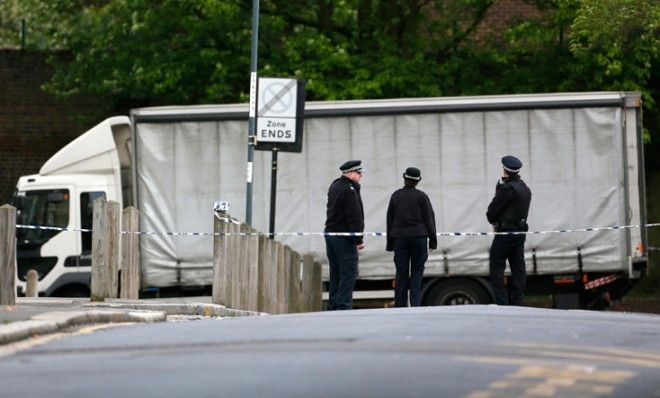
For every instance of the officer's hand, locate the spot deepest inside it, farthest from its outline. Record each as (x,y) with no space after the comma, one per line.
(361,246)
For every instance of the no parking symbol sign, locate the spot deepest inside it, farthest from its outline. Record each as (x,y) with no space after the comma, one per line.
(279,112)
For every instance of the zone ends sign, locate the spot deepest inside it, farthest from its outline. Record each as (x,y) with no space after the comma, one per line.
(280,109)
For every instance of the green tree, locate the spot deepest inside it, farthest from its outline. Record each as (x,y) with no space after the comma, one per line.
(145,52)
(153,52)
(47,24)
(617,43)
(184,51)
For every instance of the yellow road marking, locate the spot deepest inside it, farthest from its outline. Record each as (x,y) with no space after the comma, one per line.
(537,380)
(640,362)
(591,349)
(13,348)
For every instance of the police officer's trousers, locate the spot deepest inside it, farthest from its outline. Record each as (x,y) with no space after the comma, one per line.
(512,248)
(410,254)
(343,258)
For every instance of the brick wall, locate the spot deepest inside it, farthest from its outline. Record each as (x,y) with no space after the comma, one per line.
(503,13)
(33,124)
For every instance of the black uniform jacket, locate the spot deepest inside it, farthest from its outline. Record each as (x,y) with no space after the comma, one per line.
(509,208)
(344,210)
(410,214)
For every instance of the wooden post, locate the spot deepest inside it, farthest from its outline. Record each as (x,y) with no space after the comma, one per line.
(31,289)
(7,255)
(264,278)
(269,282)
(283,270)
(105,249)
(252,271)
(220,227)
(130,258)
(293,285)
(241,292)
(233,258)
(277,259)
(307,283)
(317,287)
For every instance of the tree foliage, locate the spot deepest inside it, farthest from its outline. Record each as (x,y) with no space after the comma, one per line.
(47,24)
(152,52)
(617,43)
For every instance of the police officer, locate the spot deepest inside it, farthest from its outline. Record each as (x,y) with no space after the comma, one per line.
(410,222)
(344,214)
(507,212)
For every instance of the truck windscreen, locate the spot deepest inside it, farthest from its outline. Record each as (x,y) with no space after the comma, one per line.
(44,208)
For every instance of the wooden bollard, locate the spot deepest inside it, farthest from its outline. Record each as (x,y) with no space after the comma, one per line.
(7,255)
(278,280)
(105,250)
(220,227)
(269,277)
(308,283)
(263,270)
(295,288)
(130,258)
(283,279)
(233,262)
(240,271)
(317,287)
(252,271)
(31,288)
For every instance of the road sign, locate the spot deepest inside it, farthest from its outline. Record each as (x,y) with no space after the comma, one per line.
(277,110)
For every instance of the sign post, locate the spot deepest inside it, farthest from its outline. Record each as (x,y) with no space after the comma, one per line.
(253,106)
(280,118)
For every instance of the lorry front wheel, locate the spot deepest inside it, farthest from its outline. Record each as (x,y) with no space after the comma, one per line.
(456,292)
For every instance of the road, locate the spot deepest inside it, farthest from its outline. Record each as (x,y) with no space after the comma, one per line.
(462,351)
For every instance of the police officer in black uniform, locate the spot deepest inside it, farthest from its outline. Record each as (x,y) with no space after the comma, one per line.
(410,223)
(344,214)
(507,212)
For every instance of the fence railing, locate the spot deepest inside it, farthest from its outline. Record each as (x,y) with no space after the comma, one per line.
(250,271)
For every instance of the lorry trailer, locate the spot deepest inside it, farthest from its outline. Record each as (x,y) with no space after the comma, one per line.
(581,152)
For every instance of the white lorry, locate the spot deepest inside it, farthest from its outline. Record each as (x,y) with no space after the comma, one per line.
(582,156)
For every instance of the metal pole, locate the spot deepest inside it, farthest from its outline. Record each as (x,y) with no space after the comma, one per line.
(253,110)
(273,195)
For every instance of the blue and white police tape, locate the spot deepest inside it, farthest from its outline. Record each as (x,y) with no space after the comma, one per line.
(440,234)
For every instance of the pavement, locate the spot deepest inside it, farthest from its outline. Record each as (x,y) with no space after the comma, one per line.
(32,316)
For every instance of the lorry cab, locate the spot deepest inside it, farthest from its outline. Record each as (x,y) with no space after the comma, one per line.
(55,207)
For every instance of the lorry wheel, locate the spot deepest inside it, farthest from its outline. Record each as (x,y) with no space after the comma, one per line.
(456,292)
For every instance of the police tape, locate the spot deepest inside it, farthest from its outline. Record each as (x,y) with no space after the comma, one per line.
(345,234)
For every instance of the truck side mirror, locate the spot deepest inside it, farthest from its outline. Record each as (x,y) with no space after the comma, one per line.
(18,202)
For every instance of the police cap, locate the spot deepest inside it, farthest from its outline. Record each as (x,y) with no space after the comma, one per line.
(511,163)
(412,173)
(351,165)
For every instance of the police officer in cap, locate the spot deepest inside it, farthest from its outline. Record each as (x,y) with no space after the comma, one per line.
(410,223)
(344,214)
(507,212)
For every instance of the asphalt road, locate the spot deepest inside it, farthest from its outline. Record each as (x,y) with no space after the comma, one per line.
(463,351)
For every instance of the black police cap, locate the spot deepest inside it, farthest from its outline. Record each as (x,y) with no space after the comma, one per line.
(511,163)
(351,165)
(412,173)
